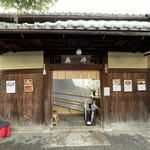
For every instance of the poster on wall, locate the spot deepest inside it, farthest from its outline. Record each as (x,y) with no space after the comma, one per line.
(127,85)
(11,86)
(141,84)
(28,85)
(116,85)
(106,91)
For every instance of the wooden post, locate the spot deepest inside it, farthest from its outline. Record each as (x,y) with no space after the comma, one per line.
(106,101)
(148,94)
(46,92)
(51,98)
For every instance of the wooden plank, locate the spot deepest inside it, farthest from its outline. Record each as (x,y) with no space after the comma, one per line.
(61,74)
(1,99)
(71,95)
(51,97)
(19,71)
(92,74)
(20,108)
(77,74)
(76,67)
(69,74)
(7,100)
(16,100)
(106,100)
(129,107)
(148,94)
(98,74)
(75,59)
(124,70)
(68,100)
(28,103)
(84,74)
(55,74)
(37,98)
(46,92)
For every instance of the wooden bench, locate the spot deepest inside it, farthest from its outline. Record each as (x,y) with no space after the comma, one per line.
(55,118)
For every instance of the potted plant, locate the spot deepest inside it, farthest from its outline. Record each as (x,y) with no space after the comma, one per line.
(93,91)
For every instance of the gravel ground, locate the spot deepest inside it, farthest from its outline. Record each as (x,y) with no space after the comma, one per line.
(119,140)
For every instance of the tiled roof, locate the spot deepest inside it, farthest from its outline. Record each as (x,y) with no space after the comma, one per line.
(80,25)
(79,14)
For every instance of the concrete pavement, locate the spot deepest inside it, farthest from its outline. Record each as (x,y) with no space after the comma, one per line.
(119,140)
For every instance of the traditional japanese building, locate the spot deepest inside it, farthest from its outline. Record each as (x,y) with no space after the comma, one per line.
(38,50)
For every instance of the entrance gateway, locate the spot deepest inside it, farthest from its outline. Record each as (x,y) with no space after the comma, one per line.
(72,89)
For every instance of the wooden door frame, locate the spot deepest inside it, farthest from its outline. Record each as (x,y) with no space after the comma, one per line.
(65,67)
(48,85)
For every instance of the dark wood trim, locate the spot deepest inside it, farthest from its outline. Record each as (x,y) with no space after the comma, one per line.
(76,32)
(76,67)
(127,70)
(105,107)
(148,75)
(72,95)
(18,71)
(57,98)
(46,93)
(67,102)
(56,17)
(51,96)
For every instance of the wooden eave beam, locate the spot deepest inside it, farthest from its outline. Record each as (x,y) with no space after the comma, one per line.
(76,32)
(6,46)
(54,18)
(145,49)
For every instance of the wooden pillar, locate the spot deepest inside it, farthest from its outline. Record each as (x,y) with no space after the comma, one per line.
(51,98)
(46,92)
(106,101)
(148,94)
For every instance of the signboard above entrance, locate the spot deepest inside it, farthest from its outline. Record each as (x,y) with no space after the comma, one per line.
(74,59)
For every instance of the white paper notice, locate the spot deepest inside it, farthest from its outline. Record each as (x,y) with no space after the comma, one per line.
(116,85)
(141,84)
(106,91)
(128,85)
(142,87)
(10,86)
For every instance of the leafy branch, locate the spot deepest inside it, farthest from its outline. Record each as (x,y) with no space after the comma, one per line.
(28,5)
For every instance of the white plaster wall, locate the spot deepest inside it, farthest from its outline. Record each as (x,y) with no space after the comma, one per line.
(21,60)
(127,60)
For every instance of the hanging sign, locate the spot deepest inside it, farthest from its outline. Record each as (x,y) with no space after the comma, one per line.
(116,85)
(74,59)
(127,85)
(11,86)
(28,85)
(141,84)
